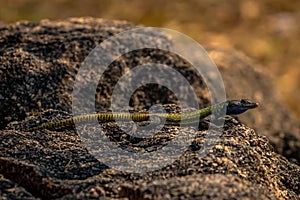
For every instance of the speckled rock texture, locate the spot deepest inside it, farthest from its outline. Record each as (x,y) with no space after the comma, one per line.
(38,64)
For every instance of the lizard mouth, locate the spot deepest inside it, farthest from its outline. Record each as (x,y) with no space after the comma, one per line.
(252,105)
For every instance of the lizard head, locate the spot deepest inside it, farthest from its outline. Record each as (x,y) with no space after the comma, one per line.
(235,107)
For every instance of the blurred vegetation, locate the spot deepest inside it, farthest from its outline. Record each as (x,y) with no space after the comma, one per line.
(267,30)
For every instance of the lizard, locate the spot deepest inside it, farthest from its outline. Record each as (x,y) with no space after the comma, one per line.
(232,107)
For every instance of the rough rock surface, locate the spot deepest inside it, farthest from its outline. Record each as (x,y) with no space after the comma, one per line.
(39,62)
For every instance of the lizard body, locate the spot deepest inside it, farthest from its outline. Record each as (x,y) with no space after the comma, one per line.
(233,107)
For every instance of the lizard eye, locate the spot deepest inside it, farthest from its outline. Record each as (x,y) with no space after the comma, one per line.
(243,101)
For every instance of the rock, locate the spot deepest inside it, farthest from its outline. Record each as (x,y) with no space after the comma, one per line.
(217,186)
(39,62)
(10,190)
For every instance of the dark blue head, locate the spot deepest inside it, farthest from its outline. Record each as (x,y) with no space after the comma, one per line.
(235,107)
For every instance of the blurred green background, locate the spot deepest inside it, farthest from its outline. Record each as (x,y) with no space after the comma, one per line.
(267,31)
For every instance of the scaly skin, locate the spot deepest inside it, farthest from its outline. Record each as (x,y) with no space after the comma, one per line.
(233,107)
